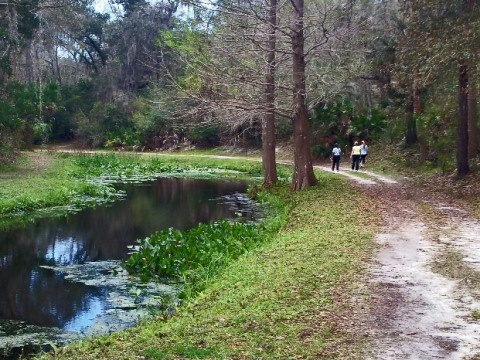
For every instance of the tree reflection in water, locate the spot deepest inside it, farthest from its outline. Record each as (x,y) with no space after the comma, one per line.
(44,298)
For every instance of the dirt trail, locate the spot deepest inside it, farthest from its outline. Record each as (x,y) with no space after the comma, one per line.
(417,313)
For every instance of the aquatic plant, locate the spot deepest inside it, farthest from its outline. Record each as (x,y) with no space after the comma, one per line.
(193,255)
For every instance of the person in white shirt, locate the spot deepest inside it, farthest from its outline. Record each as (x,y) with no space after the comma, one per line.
(336,153)
(363,153)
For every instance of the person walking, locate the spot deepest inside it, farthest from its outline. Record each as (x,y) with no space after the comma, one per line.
(355,156)
(336,154)
(363,153)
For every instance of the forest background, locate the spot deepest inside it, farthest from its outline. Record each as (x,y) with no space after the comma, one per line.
(173,74)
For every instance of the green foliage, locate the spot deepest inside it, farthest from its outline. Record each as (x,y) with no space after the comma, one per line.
(368,125)
(8,117)
(42,132)
(204,135)
(185,39)
(339,122)
(26,115)
(105,125)
(283,129)
(23,99)
(31,106)
(9,143)
(123,168)
(192,255)
(321,151)
(77,102)
(333,117)
(45,182)
(29,20)
(437,131)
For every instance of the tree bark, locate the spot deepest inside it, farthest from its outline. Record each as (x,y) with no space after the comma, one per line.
(417,100)
(413,108)
(472,118)
(411,136)
(29,61)
(268,125)
(462,138)
(303,176)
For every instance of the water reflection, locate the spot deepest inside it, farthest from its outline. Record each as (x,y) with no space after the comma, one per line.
(44,298)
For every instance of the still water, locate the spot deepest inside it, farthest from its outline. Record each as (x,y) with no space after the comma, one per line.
(33,291)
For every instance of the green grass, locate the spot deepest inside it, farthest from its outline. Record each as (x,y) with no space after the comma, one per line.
(284,299)
(40,181)
(154,163)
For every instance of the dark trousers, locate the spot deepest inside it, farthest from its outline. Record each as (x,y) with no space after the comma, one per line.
(362,159)
(335,162)
(355,162)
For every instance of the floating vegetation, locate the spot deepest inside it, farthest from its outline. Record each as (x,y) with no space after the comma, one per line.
(20,339)
(125,292)
(247,209)
(126,302)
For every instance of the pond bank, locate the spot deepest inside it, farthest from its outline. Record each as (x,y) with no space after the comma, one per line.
(49,183)
(288,298)
(51,259)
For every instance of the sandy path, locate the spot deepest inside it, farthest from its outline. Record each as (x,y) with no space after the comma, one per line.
(417,313)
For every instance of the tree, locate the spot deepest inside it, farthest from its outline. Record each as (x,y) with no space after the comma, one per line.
(133,43)
(443,37)
(472,117)
(268,125)
(230,65)
(303,176)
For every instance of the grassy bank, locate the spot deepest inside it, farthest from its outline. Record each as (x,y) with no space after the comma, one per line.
(292,297)
(41,181)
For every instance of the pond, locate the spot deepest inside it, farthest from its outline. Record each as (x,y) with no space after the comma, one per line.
(60,277)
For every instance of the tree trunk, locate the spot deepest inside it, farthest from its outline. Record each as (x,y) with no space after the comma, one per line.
(57,65)
(303,176)
(462,139)
(29,61)
(472,118)
(417,100)
(411,137)
(413,108)
(268,126)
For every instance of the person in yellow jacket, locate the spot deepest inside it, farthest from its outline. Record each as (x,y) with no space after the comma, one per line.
(355,156)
